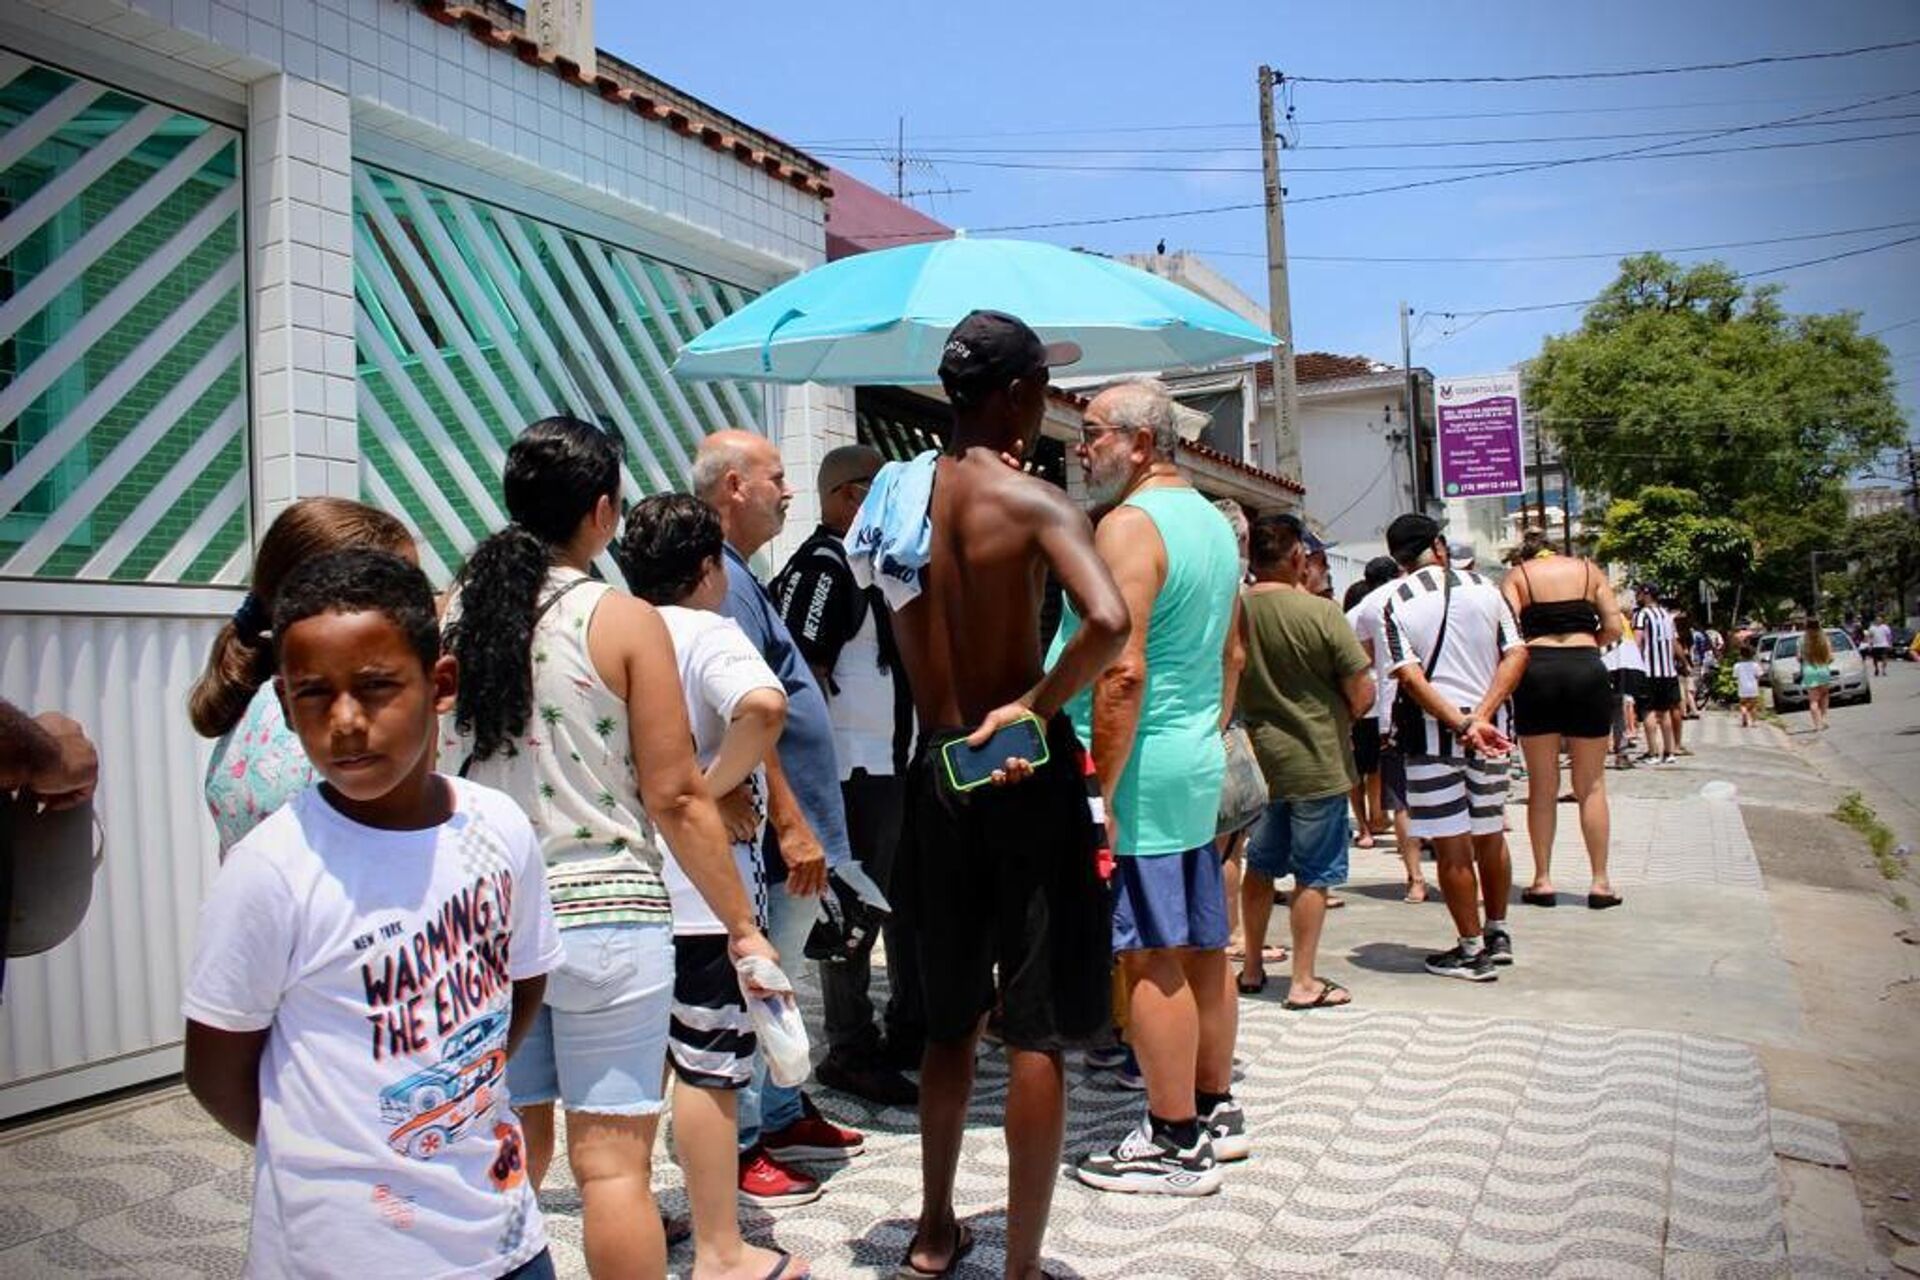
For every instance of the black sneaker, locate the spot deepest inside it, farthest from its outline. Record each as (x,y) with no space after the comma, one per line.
(1226,1125)
(1147,1165)
(868,1079)
(1458,964)
(1499,946)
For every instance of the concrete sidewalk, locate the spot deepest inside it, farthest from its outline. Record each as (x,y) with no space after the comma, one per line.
(1598,1111)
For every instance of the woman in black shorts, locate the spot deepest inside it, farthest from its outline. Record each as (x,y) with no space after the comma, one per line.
(1566,612)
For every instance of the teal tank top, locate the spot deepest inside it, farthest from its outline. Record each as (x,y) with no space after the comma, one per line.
(1168,799)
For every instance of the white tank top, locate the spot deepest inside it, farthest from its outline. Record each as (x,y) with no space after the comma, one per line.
(571,769)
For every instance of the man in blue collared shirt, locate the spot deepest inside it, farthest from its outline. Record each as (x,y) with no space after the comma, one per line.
(741,476)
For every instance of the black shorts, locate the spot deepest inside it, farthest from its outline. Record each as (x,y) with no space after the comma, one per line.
(1662,693)
(1565,690)
(710,1037)
(1003,879)
(1393,780)
(1366,745)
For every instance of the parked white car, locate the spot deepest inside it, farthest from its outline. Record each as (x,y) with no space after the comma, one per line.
(1850,680)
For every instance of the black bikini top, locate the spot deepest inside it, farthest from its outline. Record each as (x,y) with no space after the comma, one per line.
(1578,616)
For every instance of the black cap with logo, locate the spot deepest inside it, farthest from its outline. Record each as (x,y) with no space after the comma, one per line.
(989,349)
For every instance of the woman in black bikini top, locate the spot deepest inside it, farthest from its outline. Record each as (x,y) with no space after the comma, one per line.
(1566,612)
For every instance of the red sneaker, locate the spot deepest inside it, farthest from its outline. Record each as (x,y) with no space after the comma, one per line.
(768,1184)
(813,1137)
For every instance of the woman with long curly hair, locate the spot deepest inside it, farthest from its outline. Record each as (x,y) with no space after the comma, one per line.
(258,764)
(570,702)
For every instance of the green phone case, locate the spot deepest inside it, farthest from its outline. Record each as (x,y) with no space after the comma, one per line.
(946,757)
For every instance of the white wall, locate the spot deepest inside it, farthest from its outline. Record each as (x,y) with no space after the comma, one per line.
(314,83)
(1356,475)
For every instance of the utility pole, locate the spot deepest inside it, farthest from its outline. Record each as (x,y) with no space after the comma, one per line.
(1412,393)
(1913,480)
(1286,392)
(1539,478)
(900,159)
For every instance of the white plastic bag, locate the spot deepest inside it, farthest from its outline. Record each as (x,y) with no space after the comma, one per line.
(776,1020)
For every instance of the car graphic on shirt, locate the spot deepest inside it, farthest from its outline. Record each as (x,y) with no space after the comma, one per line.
(431,1108)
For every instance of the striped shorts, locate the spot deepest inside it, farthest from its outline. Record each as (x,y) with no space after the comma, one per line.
(1455,796)
(710,1039)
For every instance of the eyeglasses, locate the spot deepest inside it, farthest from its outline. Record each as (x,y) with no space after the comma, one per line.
(1091,435)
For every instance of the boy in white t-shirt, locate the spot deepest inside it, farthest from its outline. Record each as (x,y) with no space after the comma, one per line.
(1746,679)
(671,552)
(369,957)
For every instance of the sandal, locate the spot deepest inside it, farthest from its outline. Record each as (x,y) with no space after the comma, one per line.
(1601,901)
(1533,899)
(779,1271)
(962,1246)
(1408,896)
(1251,988)
(1325,1000)
(1364,840)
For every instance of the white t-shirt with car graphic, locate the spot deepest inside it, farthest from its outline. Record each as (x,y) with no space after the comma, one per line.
(382,964)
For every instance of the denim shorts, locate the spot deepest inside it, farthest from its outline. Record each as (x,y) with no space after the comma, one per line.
(1170,900)
(599,1043)
(1305,839)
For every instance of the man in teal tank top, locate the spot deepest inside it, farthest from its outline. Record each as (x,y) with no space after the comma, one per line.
(1152,724)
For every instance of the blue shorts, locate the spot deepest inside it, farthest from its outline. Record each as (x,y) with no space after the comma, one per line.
(1305,839)
(599,1043)
(1169,900)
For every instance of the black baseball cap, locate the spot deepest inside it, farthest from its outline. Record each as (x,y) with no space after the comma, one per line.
(989,349)
(1410,535)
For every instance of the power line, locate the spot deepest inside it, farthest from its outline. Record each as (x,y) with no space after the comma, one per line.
(1743,275)
(1317,121)
(1648,149)
(1889,328)
(1243,206)
(1635,73)
(1492,166)
(947,153)
(1595,255)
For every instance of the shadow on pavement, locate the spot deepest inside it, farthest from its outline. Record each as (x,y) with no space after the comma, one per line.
(1391,957)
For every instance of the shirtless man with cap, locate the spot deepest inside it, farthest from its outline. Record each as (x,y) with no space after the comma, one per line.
(977,870)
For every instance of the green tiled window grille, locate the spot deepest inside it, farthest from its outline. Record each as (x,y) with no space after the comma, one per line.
(473,321)
(123,400)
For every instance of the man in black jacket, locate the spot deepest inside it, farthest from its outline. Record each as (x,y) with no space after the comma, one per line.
(845,635)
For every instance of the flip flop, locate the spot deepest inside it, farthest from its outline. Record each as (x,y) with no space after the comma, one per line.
(1323,1001)
(1601,901)
(962,1246)
(1533,899)
(1408,897)
(1251,988)
(780,1269)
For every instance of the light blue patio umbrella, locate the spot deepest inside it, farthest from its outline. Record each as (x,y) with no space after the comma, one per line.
(882,318)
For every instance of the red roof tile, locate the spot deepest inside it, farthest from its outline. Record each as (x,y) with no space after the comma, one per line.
(1321,366)
(1247,468)
(503,26)
(860,217)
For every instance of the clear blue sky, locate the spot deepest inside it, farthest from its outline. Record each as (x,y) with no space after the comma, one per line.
(834,76)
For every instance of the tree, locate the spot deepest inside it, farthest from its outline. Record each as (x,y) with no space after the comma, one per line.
(1885,549)
(1666,536)
(1680,376)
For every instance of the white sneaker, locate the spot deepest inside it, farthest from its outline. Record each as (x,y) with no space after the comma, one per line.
(1226,1125)
(1147,1165)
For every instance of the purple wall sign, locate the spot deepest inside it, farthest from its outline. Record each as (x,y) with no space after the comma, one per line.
(1477,422)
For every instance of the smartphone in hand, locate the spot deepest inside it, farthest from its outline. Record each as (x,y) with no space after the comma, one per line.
(970,767)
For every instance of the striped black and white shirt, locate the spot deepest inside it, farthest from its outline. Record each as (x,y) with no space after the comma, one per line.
(1654,626)
(1480,629)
